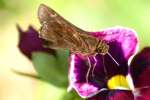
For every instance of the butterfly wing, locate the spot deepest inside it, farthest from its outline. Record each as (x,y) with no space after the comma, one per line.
(62,34)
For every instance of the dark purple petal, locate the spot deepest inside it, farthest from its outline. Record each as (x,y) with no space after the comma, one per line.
(110,65)
(140,68)
(120,95)
(114,95)
(143,94)
(125,36)
(29,42)
(98,80)
(101,96)
(77,77)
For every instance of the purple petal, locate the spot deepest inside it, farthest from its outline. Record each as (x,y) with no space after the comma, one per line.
(125,36)
(77,78)
(104,66)
(120,95)
(140,68)
(98,80)
(110,65)
(143,94)
(101,96)
(114,95)
(29,42)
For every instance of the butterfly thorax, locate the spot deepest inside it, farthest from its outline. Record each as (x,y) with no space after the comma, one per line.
(102,48)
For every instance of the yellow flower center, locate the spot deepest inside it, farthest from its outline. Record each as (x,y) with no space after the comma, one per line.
(118,82)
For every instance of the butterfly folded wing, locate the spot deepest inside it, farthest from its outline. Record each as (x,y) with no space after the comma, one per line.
(62,34)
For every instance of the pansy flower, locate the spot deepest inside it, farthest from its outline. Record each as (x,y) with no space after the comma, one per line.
(30,42)
(111,76)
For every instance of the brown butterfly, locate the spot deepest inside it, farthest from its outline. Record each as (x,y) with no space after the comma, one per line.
(59,33)
(62,34)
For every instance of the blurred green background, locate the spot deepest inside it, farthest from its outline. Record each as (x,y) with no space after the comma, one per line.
(90,15)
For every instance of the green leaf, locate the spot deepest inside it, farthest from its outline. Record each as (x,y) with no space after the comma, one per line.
(52,69)
(71,96)
(62,57)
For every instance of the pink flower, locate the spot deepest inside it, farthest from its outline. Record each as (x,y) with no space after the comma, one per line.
(107,79)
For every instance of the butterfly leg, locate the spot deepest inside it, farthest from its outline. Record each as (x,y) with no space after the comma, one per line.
(89,69)
(94,66)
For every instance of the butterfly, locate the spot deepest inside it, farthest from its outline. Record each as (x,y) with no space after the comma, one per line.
(62,34)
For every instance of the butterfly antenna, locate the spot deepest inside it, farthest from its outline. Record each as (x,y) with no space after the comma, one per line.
(113,58)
